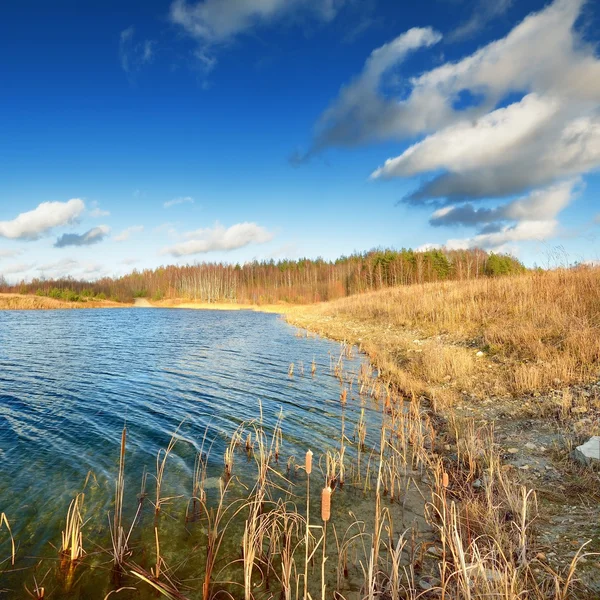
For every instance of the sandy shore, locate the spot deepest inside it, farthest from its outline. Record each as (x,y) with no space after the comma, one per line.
(268,308)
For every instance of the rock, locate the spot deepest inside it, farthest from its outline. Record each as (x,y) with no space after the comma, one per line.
(435,551)
(477,483)
(480,353)
(512,450)
(588,452)
(530,446)
(428,583)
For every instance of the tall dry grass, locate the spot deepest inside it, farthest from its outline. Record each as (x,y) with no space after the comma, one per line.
(532,332)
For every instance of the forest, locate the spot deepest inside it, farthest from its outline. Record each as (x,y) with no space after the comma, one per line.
(302,281)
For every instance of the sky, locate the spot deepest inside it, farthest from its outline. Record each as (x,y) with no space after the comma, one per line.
(144,133)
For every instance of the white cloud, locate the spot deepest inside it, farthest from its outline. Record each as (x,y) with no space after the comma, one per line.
(176,201)
(127,233)
(220,238)
(472,144)
(533,217)
(526,230)
(93,236)
(360,112)
(96,212)
(134,55)
(521,115)
(522,62)
(539,205)
(530,143)
(34,224)
(214,21)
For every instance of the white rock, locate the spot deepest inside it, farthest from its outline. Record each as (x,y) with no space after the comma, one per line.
(530,446)
(589,451)
(480,353)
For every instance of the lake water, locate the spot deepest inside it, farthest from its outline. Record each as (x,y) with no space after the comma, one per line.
(70,380)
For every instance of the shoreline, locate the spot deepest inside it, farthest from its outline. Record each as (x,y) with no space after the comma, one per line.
(224,306)
(31,302)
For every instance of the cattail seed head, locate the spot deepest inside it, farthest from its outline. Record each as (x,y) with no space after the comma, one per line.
(326,504)
(343,396)
(445,480)
(308,462)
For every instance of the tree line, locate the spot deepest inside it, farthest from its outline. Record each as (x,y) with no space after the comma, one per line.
(294,281)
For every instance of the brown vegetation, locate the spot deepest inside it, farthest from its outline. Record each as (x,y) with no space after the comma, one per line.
(302,281)
(520,335)
(28,302)
(525,342)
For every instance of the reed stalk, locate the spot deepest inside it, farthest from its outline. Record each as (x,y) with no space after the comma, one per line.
(308,468)
(72,536)
(4,522)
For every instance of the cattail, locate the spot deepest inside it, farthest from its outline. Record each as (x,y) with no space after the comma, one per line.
(308,462)
(326,504)
(313,367)
(445,480)
(343,396)
(291,370)
(249,443)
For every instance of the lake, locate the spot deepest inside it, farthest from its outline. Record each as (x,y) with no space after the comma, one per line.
(70,381)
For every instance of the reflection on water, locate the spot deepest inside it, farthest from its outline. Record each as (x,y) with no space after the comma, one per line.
(70,380)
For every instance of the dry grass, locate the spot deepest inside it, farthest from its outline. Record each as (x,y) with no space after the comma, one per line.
(518,335)
(28,302)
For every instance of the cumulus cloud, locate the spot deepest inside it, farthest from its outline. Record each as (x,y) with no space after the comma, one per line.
(214,21)
(34,224)
(497,240)
(361,112)
(522,62)
(528,144)
(518,118)
(176,201)
(134,55)
(539,205)
(93,236)
(220,238)
(532,217)
(127,233)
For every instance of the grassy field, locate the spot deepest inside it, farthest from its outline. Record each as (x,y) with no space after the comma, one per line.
(538,331)
(30,302)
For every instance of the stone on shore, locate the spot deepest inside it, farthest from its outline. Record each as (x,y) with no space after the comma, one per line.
(588,452)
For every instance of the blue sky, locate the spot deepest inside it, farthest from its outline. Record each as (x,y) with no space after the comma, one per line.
(145,133)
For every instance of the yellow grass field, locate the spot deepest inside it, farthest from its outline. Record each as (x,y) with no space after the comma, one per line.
(29,302)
